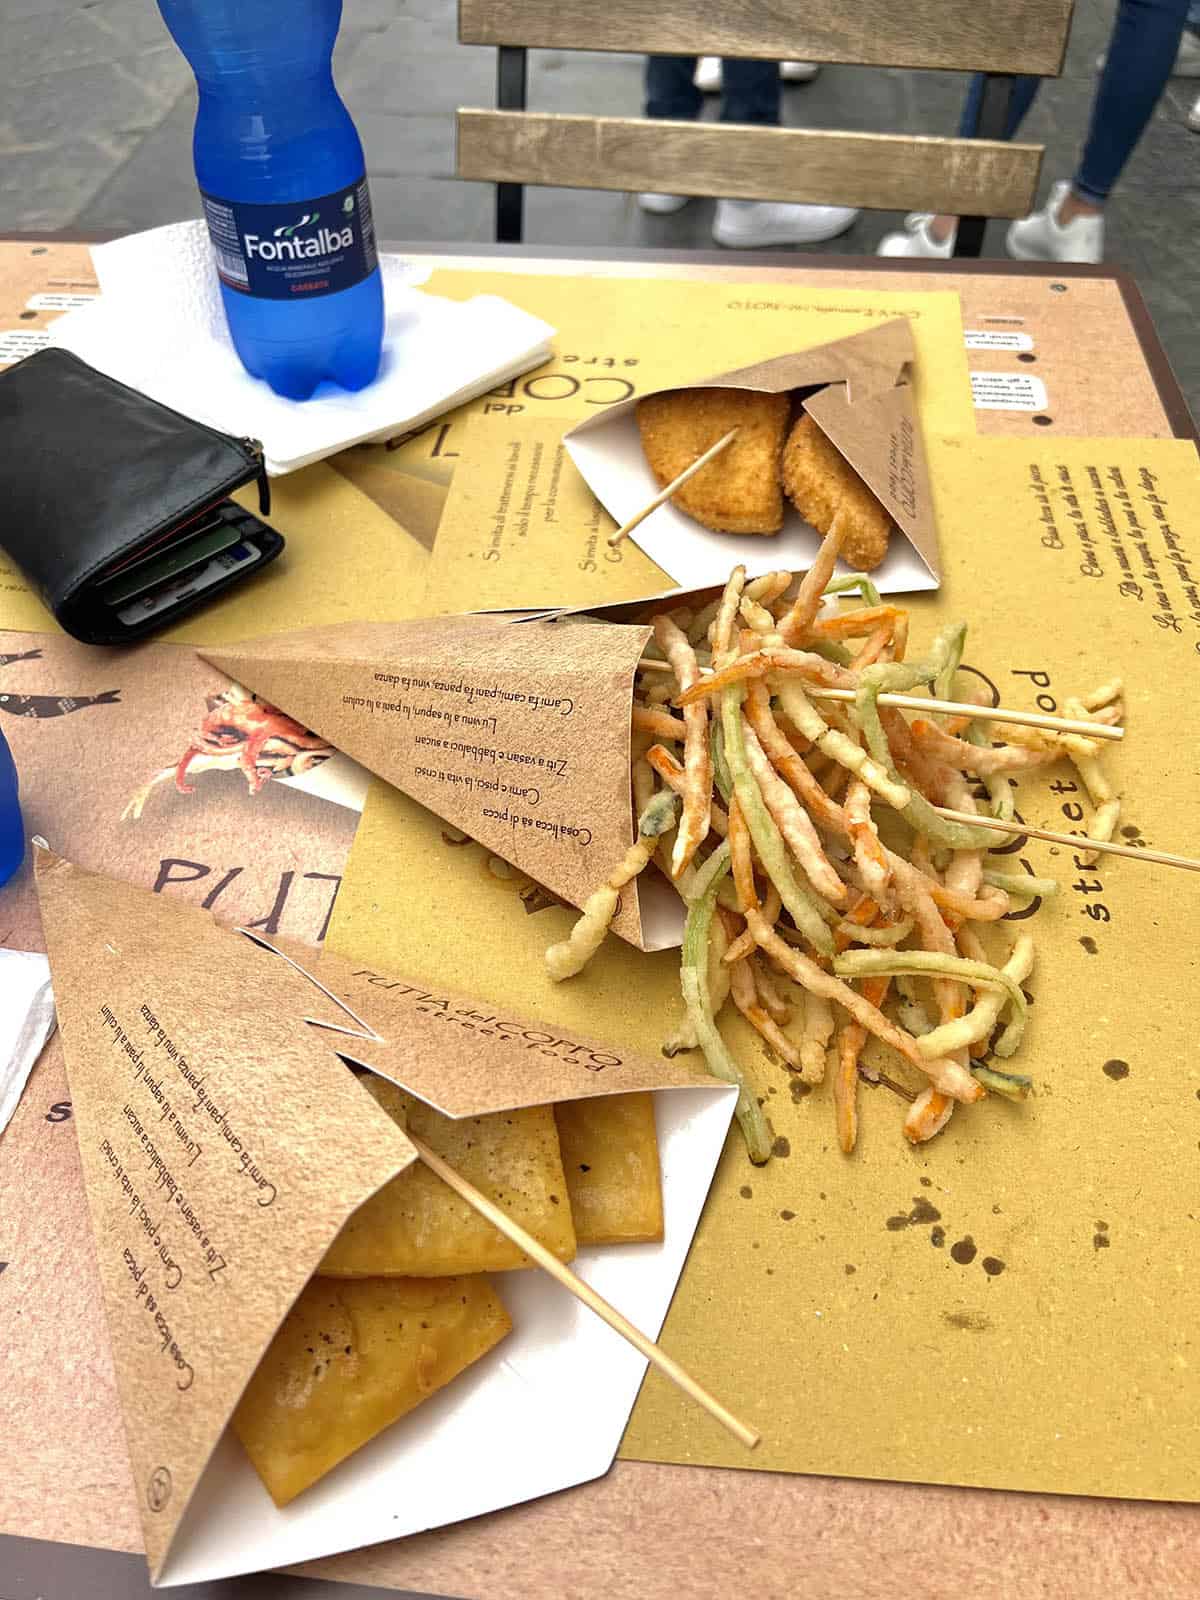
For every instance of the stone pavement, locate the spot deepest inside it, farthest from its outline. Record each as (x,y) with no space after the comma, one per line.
(96,109)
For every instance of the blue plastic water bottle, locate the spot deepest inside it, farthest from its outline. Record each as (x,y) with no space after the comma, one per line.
(12,835)
(283,184)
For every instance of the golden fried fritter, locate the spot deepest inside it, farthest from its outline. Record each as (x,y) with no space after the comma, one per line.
(822,485)
(738,492)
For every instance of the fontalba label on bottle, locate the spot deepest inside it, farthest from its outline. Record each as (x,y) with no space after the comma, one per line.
(294,250)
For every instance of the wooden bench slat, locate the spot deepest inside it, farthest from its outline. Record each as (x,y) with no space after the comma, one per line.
(875,170)
(966,35)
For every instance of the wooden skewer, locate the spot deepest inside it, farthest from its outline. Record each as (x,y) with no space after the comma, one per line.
(966,708)
(1074,841)
(676,483)
(585,1293)
(961,708)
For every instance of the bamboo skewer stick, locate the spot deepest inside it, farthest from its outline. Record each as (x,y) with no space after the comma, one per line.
(584,1293)
(960,708)
(966,708)
(676,483)
(1074,841)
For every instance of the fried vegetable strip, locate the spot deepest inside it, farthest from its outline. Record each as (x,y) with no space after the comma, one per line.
(796,622)
(570,957)
(814,1040)
(660,760)
(697,999)
(776,1006)
(854,624)
(766,836)
(697,763)
(800,710)
(845,1080)
(983,759)
(659,723)
(722,628)
(1100,792)
(978,1023)
(864,963)
(745,998)
(793,822)
(949,1076)
(744,945)
(756,664)
(856,580)
(869,854)
(928,1114)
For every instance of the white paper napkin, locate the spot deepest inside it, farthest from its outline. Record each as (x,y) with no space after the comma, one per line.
(26,1022)
(159,326)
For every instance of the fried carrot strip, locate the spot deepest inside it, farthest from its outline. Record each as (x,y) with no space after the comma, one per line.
(855,624)
(845,1080)
(669,770)
(869,854)
(788,763)
(697,761)
(755,664)
(873,648)
(744,944)
(928,1114)
(982,759)
(660,723)
(741,859)
(797,622)
(745,998)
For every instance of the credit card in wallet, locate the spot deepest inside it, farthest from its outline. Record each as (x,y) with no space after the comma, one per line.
(180,558)
(191,583)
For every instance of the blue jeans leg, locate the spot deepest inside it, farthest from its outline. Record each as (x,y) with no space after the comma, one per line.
(1024,90)
(1141,54)
(670,91)
(1140,57)
(750,92)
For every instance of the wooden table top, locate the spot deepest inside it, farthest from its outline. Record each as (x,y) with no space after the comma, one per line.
(651,1531)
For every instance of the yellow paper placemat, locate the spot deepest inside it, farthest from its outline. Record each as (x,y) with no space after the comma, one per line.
(520,527)
(1012,1304)
(346,560)
(618,337)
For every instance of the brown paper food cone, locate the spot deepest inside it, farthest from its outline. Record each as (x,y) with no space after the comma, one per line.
(860,397)
(517,733)
(466,1058)
(222,1144)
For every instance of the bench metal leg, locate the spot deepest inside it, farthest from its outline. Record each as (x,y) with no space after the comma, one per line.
(511,85)
(990,124)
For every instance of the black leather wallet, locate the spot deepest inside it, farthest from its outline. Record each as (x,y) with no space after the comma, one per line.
(99,483)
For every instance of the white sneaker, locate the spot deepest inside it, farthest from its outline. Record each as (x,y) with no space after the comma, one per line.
(917,240)
(1193,117)
(662,205)
(1187,62)
(1041,237)
(751,224)
(707,76)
